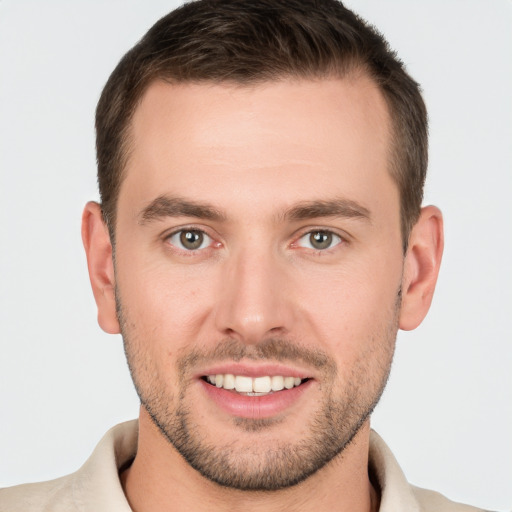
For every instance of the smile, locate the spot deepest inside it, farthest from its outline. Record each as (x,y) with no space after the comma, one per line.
(253,386)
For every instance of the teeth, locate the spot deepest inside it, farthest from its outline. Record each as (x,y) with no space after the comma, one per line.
(257,386)
(229,381)
(277,383)
(289,382)
(242,384)
(262,384)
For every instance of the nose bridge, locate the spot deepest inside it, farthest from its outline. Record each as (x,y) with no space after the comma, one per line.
(253,302)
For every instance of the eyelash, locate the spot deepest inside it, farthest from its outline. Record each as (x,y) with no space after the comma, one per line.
(179,232)
(336,239)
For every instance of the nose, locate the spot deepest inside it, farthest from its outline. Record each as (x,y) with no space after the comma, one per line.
(255,301)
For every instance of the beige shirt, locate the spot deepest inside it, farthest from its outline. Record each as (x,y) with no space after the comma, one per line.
(95,487)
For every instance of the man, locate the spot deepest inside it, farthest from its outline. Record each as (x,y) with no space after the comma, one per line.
(260,240)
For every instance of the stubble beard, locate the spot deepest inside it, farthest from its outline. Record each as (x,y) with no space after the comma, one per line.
(275,464)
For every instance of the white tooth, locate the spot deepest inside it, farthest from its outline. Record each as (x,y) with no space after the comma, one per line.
(297,381)
(262,384)
(219,379)
(229,381)
(211,379)
(243,384)
(289,382)
(277,383)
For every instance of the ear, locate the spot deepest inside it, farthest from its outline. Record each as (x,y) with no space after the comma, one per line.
(98,250)
(421,268)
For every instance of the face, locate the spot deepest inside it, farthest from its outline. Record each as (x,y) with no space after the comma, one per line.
(258,267)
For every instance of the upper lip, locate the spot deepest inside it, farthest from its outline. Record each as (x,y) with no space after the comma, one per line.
(254,370)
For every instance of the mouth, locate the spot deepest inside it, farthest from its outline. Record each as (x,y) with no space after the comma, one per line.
(256,394)
(254,386)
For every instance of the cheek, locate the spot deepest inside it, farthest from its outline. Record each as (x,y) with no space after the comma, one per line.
(349,307)
(165,302)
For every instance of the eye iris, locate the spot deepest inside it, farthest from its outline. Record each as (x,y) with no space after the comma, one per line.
(320,239)
(191,239)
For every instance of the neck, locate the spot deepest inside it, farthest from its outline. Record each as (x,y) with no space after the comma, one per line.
(160,480)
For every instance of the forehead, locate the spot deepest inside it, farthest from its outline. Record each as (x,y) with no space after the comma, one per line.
(298,136)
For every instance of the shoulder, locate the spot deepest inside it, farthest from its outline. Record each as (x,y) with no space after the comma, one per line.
(53,495)
(94,487)
(431,501)
(397,494)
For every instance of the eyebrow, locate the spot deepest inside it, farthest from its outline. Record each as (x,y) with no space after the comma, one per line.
(338,207)
(165,206)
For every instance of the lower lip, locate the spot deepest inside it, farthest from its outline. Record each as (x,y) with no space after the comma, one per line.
(255,407)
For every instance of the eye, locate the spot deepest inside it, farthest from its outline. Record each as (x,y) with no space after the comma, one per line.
(190,239)
(319,240)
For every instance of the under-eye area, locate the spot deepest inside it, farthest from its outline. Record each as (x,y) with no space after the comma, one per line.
(253,386)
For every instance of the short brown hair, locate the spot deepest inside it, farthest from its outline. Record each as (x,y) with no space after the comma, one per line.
(247,42)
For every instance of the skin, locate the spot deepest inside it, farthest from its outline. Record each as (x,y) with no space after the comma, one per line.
(254,155)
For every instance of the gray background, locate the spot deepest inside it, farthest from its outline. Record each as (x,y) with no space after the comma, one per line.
(63,382)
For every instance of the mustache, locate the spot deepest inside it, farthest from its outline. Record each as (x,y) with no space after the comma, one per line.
(271,349)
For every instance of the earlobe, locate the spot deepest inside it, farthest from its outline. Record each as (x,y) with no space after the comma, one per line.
(421,268)
(98,249)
